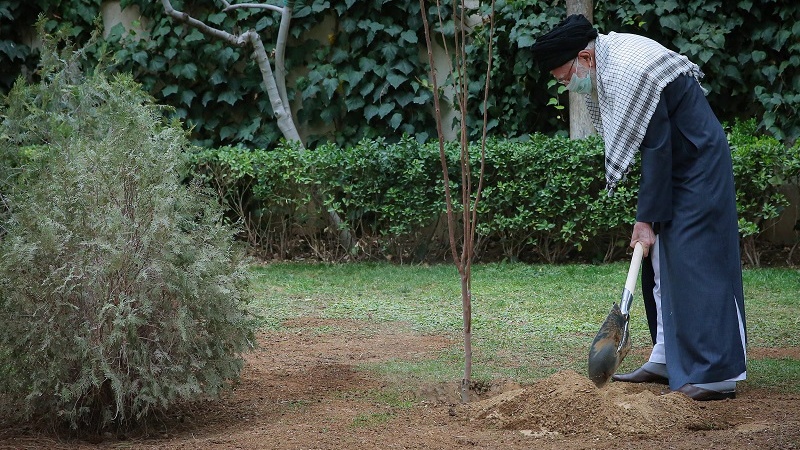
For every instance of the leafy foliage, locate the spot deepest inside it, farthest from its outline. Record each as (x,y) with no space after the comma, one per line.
(749,51)
(71,19)
(267,193)
(121,291)
(543,199)
(369,81)
(544,196)
(761,165)
(356,69)
(390,195)
(385,192)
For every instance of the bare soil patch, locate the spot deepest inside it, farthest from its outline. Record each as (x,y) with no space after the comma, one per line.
(303,389)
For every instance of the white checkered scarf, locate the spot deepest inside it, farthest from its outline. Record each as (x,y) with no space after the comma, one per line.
(632,71)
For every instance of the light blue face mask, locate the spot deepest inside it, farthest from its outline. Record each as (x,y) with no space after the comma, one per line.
(580,85)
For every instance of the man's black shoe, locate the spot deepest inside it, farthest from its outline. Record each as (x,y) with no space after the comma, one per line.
(700,394)
(640,376)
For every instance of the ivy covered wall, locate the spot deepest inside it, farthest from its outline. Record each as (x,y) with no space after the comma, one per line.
(357,68)
(748,50)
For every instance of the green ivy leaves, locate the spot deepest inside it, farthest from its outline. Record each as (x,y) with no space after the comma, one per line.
(356,68)
(365,79)
(749,52)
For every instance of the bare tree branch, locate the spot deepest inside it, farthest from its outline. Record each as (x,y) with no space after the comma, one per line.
(238,41)
(280,46)
(277,93)
(280,51)
(229,7)
(274,83)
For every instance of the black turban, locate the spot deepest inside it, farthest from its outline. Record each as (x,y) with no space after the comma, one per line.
(563,42)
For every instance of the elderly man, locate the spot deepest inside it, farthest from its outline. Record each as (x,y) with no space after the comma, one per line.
(645,99)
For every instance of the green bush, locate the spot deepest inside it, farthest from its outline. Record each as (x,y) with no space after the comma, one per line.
(761,166)
(546,196)
(121,290)
(387,193)
(543,198)
(267,192)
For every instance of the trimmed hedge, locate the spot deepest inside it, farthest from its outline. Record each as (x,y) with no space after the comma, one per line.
(761,166)
(546,197)
(543,200)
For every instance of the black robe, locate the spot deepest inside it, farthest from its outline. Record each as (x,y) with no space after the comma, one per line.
(687,191)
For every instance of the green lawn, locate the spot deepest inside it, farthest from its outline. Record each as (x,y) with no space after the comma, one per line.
(528,320)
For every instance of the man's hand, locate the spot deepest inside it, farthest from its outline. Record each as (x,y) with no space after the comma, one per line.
(643,232)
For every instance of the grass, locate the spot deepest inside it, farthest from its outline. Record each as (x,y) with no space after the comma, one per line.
(528,320)
(782,374)
(369,420)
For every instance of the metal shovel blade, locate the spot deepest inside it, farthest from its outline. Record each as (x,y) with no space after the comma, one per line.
(613,341)
(609,347)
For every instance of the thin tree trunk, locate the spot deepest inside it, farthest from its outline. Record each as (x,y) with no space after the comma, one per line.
(463,261)
(466,308)
(279,105)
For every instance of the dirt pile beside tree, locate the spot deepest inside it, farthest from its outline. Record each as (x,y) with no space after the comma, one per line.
(568,403)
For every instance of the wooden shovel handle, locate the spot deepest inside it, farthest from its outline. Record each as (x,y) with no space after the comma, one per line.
(636,263)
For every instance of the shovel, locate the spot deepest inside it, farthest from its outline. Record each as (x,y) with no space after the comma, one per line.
(613,341)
